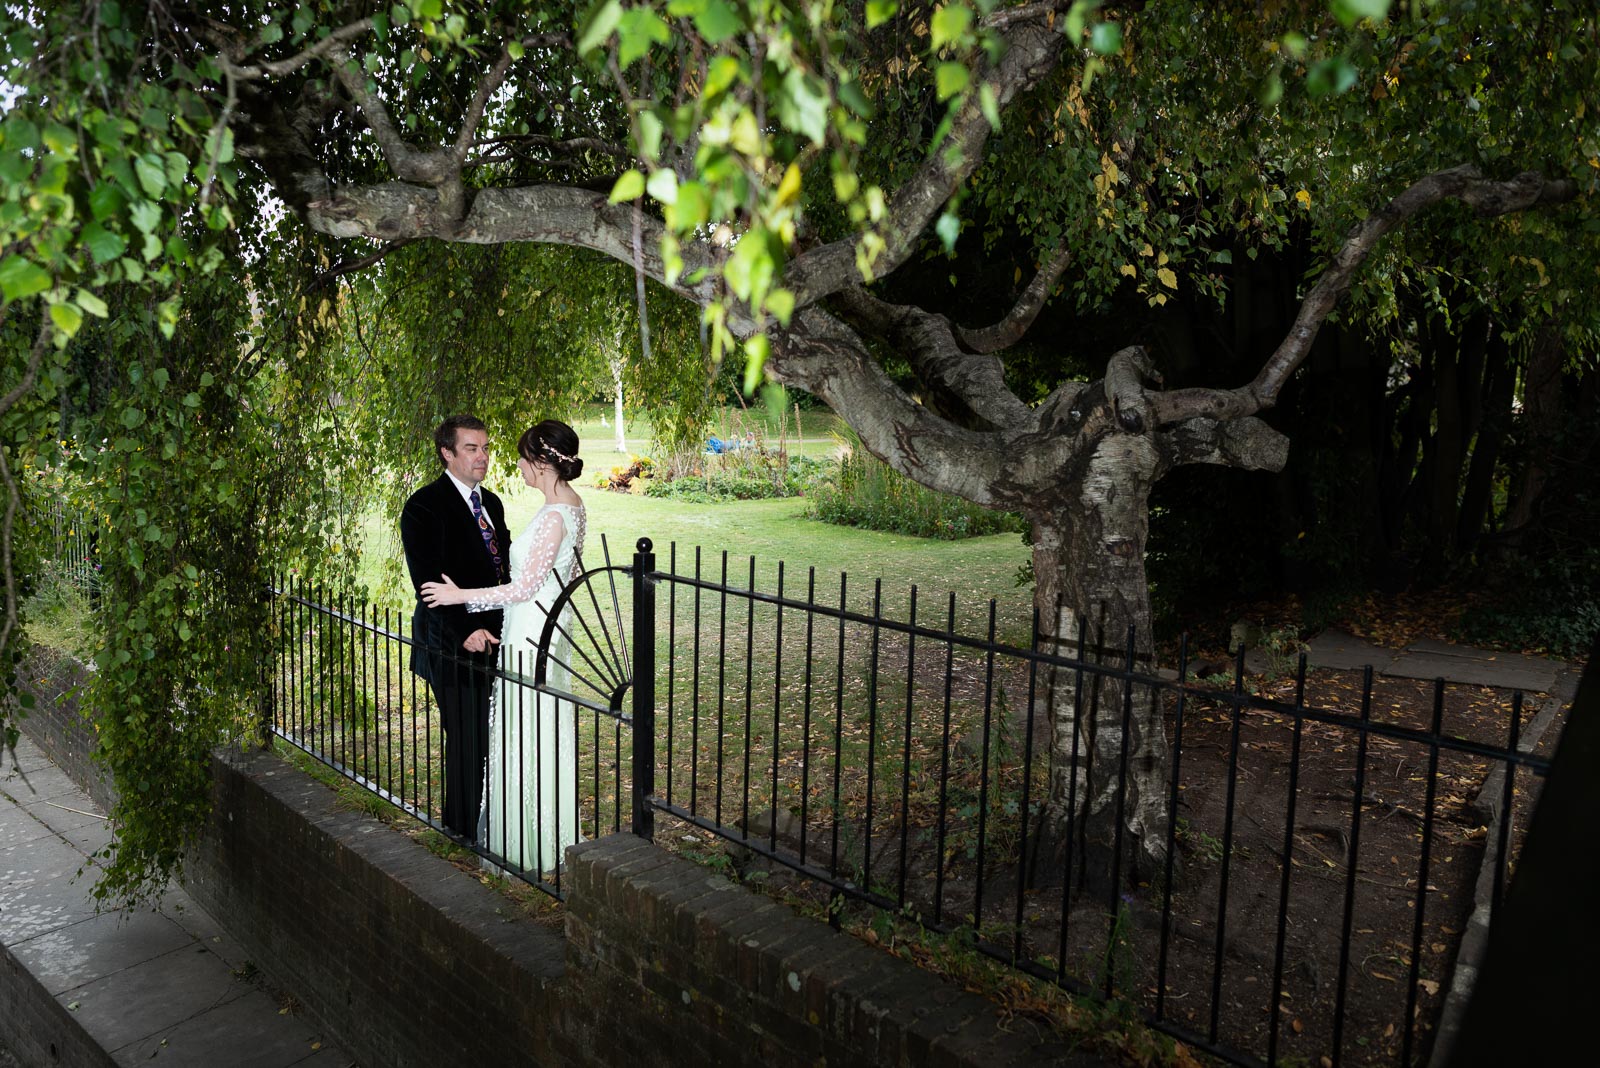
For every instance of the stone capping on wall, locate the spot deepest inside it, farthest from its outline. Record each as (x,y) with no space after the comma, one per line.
(408,961)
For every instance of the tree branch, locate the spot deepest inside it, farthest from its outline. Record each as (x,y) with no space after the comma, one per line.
(1009,331)
(436,168)
(1126,373)
(552,214)
(1247,443)
(30,375)
(344,267)
(824,356)
(572,146)
(335,41)
(1464,183)
(1032,52)
(928,342)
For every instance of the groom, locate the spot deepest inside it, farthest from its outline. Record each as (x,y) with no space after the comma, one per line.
(452,527)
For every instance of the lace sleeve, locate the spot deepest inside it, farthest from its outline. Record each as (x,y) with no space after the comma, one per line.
(522,587)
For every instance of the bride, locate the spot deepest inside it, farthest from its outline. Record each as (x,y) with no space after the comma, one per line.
(530,806)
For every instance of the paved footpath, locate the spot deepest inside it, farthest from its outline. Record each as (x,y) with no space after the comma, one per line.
(1430,659)
(164,986)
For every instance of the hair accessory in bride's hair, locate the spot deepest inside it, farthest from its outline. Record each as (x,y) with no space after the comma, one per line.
(553,451)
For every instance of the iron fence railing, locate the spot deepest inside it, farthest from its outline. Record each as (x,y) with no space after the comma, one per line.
(1274,867)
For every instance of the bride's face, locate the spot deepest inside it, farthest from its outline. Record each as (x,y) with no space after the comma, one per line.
(527,469)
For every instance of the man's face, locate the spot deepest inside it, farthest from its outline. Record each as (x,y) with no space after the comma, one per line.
(470,460)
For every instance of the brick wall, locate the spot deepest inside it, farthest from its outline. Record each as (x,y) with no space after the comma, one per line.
(56,681)
(408,961)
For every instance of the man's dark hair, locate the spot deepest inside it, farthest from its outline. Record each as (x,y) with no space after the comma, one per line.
(445,436)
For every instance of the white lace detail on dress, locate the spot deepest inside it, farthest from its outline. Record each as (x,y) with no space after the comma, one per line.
(526,582)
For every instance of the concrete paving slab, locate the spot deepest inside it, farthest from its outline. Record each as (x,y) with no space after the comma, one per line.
(326,1057)
(89,836)
(40,889)
(17,826)
(25,759)
(91,949)
(1507,676)
(249,1032)
(43,784)
(1343,651)
(180,908)
(152,996)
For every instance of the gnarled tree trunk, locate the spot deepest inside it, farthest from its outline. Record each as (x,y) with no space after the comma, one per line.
(1106,817)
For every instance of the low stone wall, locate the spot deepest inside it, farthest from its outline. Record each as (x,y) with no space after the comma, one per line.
(407,961)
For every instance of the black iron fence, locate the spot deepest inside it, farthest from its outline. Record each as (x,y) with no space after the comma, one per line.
(1273,866)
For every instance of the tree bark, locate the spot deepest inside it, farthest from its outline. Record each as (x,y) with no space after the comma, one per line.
(1106,818)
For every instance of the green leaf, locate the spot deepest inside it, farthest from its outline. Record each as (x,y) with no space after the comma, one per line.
(132,417)
(692,208)
(103,245)
(716,21)
(989,104)
(91,304)
(722,73)
(948,228)
(22,278)
(629,185)
(880,11)
(1077,18)
(152,173)
(597,27)
(780,302)
(1330,77)
(951,78)
(803,105)
(1350,12)
(67,318)
(663,185)
(756,351)
(637,31)
(1106,38)
(650,130)
(105,200)
(146,216)
(950,23)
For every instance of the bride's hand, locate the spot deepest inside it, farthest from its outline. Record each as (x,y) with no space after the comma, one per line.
(439,594)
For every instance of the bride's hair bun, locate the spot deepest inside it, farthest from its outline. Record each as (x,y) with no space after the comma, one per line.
(555,443)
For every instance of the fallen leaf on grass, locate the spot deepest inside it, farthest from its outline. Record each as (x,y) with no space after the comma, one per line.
(1429,986)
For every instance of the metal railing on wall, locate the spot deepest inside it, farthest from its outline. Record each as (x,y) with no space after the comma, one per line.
(342,690)
(1282,866)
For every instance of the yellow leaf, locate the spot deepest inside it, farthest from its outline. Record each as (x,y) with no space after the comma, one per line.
(1017,277)
(1168,278)
(1147,250)
(1161,259)
(789,188)
(1304,197)
(1127,269)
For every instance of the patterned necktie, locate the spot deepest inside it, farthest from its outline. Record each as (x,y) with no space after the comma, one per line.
(486,530)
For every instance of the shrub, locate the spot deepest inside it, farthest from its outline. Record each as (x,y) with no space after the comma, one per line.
(715,488)
(864,492)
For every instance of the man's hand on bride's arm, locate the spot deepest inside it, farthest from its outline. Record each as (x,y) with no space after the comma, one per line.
(479,641)
(439,594)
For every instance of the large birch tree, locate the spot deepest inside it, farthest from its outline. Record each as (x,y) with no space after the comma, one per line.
(779,166)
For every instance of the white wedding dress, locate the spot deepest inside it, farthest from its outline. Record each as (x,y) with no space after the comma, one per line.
(530,801)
